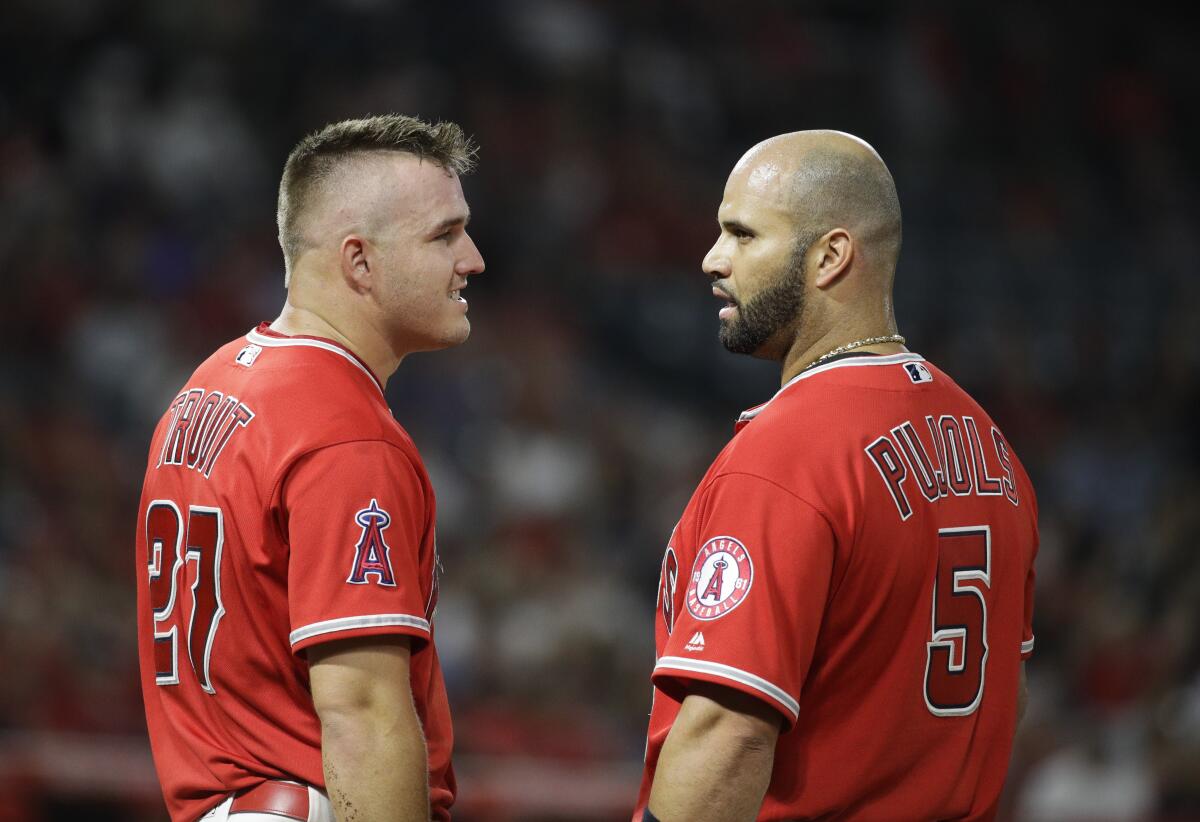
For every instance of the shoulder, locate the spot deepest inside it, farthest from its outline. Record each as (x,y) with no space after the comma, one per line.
(777,457)
(308,394)
(322,400)
(353,457)
(814,429)
(781,441)
(734,488)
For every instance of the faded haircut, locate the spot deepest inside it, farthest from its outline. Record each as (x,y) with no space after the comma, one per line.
(317,157)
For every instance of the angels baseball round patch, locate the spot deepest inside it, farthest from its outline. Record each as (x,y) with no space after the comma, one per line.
(721,578)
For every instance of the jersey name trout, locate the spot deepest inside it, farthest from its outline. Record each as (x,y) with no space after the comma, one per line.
(202,423)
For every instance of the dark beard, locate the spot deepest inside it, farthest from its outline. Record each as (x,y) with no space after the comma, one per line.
(771,311)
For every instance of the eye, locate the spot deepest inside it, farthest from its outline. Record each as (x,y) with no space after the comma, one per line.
(743,236)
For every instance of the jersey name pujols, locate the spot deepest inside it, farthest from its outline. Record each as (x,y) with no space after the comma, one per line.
(202,423)
(960,463)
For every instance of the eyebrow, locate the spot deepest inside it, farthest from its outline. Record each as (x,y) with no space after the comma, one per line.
(451,222)
(735,226)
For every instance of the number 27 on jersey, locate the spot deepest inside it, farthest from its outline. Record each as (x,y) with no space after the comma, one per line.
(191,556)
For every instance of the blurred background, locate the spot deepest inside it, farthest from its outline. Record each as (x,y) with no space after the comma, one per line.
(1050,197)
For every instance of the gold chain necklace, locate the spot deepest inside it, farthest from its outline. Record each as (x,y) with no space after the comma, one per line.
(842,349)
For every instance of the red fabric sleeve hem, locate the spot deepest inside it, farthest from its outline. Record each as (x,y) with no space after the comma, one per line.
(681,668)
(355,626)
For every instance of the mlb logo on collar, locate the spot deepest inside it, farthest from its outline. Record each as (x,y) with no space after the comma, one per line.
(917,372)
(248,355)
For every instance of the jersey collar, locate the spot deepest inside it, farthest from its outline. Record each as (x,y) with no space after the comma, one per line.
(850,361)
(268,337)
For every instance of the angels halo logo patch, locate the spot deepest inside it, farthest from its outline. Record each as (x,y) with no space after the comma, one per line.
(371,551)
(721,578)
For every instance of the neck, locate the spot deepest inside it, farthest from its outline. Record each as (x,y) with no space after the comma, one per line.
(804,353)
(296,320)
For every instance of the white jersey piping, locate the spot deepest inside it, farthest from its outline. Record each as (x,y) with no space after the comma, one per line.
(851,362)
(277,342)
(331,626)
(702,666)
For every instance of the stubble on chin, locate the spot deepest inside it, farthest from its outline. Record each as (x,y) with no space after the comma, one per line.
(776,309)
(761,320)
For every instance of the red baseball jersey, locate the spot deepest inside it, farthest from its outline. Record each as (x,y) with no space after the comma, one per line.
(283,507)
(859,557)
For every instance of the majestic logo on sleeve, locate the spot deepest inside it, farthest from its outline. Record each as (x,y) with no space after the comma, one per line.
(721,578)
(371,552)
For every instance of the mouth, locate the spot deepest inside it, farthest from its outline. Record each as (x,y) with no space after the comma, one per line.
(731,305)
(456,296)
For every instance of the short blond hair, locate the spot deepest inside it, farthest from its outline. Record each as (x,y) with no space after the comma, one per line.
(318,156)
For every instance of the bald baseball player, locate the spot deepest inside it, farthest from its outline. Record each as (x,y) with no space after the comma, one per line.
(845,605)
(287,565)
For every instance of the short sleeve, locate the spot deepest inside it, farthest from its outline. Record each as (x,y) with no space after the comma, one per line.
(1028,494)
(1027,631)
(752,601)
(355,517)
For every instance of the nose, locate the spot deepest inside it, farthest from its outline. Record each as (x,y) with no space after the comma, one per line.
(716,261)
(472,261)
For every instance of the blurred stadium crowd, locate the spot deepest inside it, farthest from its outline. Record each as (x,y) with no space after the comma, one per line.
(1050,203)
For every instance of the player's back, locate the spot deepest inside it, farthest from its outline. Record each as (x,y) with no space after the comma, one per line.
(245,465)
(909,704)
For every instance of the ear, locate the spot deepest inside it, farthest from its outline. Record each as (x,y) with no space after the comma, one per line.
(835,252)
(356,269)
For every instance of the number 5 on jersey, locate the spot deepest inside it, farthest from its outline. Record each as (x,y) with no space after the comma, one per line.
(198,558)
(957,651)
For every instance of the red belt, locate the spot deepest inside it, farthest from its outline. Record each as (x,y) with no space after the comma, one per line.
(288,800)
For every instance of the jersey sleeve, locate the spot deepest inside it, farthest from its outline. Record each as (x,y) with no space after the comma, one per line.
(750,607)
(1030,498)
(356,516)
(1027,631)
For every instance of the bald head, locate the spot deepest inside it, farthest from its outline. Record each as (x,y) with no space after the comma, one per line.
(827,179)
(810,235)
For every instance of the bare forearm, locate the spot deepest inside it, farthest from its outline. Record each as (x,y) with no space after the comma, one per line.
(376,770)
(715,765)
